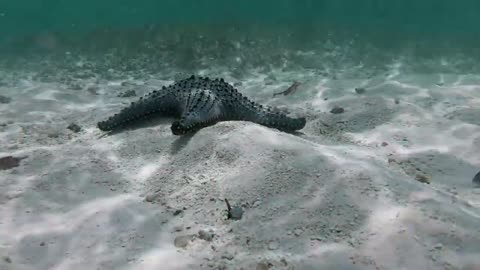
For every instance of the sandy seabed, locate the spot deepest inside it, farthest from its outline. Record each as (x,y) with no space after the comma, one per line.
(387,184)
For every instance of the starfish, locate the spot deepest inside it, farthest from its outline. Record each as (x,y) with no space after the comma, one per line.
(198,102)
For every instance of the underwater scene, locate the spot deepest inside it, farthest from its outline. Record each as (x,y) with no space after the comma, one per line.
(221,134)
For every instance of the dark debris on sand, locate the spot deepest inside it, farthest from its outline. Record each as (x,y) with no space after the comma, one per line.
(337,110)
(9,162)
(74,127)
(4,99)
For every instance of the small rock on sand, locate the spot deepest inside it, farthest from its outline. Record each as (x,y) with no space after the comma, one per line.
(360,90)
(422,178)
(4,99)
(205,235)
(9,162)
(337,110)
(74,127)
(182,241)
(273,245)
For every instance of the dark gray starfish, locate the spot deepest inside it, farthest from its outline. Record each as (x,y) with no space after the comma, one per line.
(199,102)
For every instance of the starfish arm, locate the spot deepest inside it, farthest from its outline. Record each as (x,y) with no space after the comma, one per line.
(158,103)
(265,117)
(239,107)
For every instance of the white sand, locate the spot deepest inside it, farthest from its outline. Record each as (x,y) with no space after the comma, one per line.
(333,198)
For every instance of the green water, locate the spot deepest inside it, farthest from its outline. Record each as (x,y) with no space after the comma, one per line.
(431,28)
(404,16)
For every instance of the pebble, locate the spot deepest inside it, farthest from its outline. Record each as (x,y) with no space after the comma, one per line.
(53,133)
(9,162)
(273,245)
(206,235)
(150,197)
(7,259)
(182,240)
(262,266)
(4,99)
(177,212)
(298,232)
(236,213)
(178,228)
(384,144)
(422,179)
(438,246)
(337,110)
(360,90)
(317,238)
(257,204)
(74,127)
(227,255)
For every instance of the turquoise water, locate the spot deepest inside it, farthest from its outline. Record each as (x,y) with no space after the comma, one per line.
(439,17)
(428,16)
(423,30)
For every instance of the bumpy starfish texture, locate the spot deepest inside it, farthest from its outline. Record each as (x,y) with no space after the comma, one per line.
(198,102)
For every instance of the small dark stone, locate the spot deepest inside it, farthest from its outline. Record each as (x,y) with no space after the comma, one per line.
(262,266)
(360,90)
(4,99)
(422,179)
(476,179)
(397,101)
(150,197)
(227,255)
(384,144)
(53,134)
(74,127)
(9,162)
(42,244)
(177,212)
(236,213)
(205,235)
(129,93)
(337,110)
(183,240)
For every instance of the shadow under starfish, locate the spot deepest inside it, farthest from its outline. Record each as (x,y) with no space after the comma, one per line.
(198,102)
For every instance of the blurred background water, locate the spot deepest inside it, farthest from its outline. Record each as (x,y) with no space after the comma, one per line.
(429,35)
